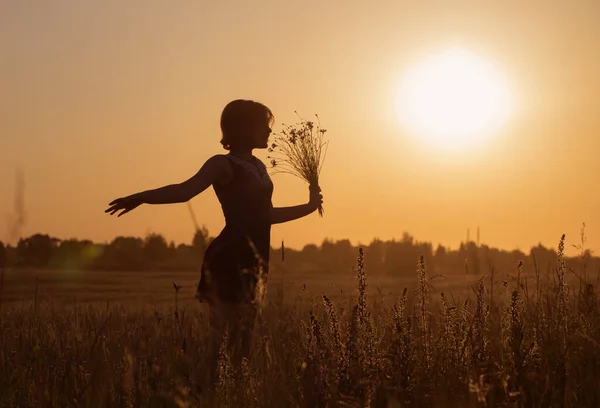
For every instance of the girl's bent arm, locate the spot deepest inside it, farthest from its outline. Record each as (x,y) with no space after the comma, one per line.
(215,170)
(284,214)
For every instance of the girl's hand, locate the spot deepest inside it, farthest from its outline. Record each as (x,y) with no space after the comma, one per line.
(125,204)
(315,198)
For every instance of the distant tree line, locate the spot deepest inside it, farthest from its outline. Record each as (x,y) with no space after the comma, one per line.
(124,253)
(392,257)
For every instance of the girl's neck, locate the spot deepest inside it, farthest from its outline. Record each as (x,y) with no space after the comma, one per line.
(243,154)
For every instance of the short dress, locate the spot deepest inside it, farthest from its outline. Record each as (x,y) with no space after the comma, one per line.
(236,259)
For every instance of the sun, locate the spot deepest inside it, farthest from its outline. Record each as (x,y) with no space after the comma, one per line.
(454,99)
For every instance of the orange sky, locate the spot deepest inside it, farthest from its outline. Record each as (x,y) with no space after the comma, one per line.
(99,99)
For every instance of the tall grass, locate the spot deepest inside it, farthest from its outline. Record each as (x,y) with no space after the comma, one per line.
(533,345)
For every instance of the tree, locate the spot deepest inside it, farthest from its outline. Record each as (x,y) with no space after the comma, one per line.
(184,258)
(327,255)
(74,254)
(375,256)
(3,256)
(544,257)
(345,256)
(36,250)
(124,253)
(310,252)
(200,242)
(472,258)
(156,249)
(440,253)
(337,256)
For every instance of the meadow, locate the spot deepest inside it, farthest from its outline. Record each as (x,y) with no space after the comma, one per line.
(112,339)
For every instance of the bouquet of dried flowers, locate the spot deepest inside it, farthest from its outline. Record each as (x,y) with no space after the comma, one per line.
(300,150)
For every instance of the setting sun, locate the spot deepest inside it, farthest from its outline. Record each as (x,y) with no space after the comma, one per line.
(454,99)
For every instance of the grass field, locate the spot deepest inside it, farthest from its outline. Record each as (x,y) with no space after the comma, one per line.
(118,339)
(68,287)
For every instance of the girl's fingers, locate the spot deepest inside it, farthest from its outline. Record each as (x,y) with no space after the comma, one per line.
(113,202)
(114,209)
(111,208)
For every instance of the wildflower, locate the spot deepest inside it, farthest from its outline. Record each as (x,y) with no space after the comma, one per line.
(301,151)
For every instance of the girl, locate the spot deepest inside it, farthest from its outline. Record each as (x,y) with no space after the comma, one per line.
(236,262)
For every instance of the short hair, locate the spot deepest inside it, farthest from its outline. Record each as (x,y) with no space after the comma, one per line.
(239,118)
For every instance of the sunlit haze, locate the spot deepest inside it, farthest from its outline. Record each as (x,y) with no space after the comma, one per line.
(454,99)
(440,118)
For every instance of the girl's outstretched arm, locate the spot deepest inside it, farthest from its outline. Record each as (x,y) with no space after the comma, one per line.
(284,214)
(216,170)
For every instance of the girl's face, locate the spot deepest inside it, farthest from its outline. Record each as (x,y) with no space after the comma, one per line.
(261,136)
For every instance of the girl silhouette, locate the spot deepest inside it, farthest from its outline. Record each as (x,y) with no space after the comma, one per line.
(237,260)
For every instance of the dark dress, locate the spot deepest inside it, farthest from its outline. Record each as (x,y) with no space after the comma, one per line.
(238,258)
